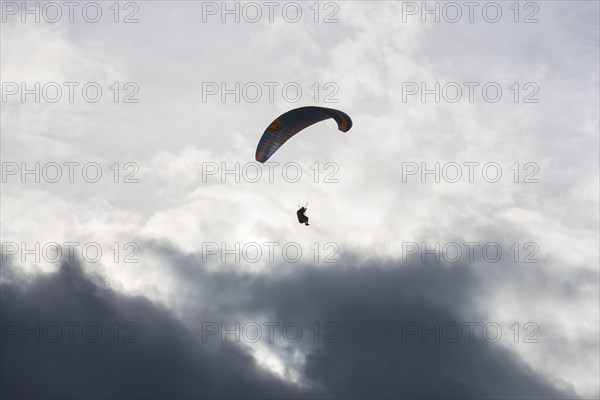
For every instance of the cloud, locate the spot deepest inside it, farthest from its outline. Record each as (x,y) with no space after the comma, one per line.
(369,308)
(369,213)
(167,360)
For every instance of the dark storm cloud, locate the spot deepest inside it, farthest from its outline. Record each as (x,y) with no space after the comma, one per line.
(373,358)
(370,306)
(166,362)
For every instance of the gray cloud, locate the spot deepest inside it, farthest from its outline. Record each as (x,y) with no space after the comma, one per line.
(370,359)
(166,362)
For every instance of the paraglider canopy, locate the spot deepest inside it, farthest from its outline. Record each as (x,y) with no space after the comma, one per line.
(292,122)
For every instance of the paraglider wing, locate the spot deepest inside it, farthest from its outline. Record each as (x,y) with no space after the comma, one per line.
(292,122)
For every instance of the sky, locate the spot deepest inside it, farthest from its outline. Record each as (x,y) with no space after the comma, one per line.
(452,250)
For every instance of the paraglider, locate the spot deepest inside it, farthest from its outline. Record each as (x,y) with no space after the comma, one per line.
(303,219)
(292,122)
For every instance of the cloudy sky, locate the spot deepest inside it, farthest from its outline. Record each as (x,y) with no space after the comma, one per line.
(452,250)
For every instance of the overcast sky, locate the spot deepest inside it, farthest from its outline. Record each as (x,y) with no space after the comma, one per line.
(452,250)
